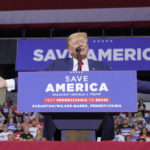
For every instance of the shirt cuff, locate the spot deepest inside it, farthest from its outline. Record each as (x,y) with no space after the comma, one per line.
(10,84)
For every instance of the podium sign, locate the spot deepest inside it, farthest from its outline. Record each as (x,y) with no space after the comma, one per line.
(92,91)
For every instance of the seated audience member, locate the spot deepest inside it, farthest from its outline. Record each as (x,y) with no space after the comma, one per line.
(118,121)
(147,126)
(11,125)
(118,136)
(11,137)
(128,138)
(4,134)
(26,123)
(134,137)
(144,134)
(26,136)
(39,122)
(2,117)
(18,131)
(141,140)
(137,130)
(33,129)
(39,136)
(1,126)
(30,115)
(19,115)
(125,128)
(139,120)
(19,128)
(12,114)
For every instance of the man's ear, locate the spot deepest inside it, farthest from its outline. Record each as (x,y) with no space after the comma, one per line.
(70,51)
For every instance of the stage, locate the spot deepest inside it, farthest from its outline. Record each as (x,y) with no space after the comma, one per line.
(46,145)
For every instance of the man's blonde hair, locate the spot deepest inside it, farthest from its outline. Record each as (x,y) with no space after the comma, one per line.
(83,34)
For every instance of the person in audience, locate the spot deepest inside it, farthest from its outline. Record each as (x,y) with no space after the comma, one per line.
(19,115)
(137,130)
(139,120)
(19,128)
(11,125)
(2,117)
(39,122)
(12,114)
(11,137)
(141,140)
(134,137)
(144,134)
(26,123)
(147,126)
(141,107)
(125,128)
(118,136)
(118,121)
(4,134)
(5,109)
(147,117)
(30,115)
(39,136)
(33,129)
(128,138)
(1,126)
(26,136)
(18,131)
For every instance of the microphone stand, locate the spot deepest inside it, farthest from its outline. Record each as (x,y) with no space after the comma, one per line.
(78,50)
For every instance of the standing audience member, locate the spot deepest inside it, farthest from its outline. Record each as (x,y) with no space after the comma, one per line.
(5,109)
(141,107)
(11,125)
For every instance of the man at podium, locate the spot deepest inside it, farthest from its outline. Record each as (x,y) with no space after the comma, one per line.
(77,45)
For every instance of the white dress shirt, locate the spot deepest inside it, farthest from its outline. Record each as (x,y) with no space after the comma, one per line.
(85,66)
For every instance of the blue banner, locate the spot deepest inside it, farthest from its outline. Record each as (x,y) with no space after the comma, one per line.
(98,91)
(119,53)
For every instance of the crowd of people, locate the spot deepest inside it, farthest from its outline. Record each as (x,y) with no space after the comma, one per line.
(133,126)
(20,126)
(28,126)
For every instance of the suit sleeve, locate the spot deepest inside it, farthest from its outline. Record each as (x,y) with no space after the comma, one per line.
(143,86)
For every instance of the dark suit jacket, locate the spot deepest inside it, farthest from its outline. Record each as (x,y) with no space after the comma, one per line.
(67,65)
(107,128)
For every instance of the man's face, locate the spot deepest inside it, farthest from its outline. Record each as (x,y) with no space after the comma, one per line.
(78,41)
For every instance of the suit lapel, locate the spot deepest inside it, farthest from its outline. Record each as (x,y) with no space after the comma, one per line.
(69,67)
(91,65)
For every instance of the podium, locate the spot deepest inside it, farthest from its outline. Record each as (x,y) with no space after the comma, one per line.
(77,101)
(78,127)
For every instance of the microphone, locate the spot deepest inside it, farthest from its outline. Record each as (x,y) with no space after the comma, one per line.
(78,50)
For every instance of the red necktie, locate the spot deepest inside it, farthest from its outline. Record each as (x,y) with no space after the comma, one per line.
(81,63)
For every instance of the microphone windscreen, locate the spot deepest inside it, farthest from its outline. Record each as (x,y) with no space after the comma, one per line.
(78,49)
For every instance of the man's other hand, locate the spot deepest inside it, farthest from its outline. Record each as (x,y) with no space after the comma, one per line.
(2,83)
